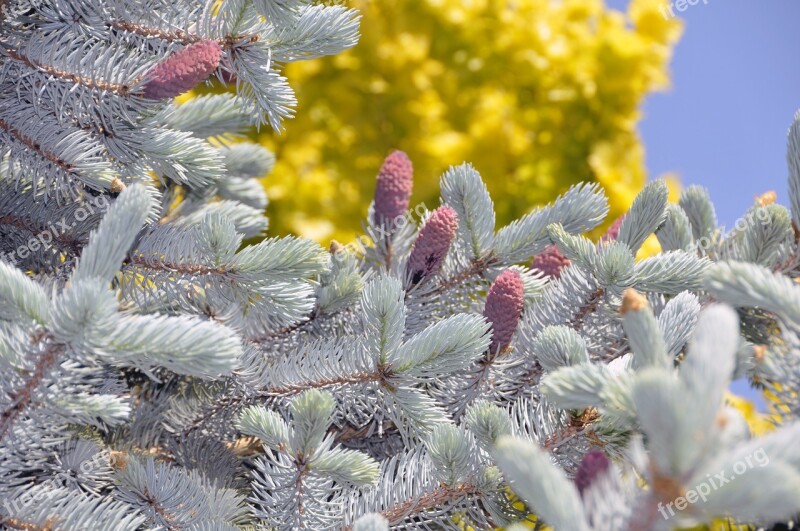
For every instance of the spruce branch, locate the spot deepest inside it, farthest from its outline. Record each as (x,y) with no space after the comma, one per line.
(24,397)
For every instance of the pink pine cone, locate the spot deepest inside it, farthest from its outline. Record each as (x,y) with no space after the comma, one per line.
(593,464)
(613,231)
(550,262)
(183,70)
(393,189)
(432,244)
(504,307)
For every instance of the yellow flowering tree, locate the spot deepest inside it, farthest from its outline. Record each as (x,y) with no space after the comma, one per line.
(538,95)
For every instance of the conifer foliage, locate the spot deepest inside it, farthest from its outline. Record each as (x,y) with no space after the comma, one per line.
(157,373)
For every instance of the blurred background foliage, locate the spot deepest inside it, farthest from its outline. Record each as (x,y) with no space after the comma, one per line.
(537,94)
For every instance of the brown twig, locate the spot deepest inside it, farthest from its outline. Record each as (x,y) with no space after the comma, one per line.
(34,146)
(72,244)
(190,269)
(159,509)
(177,36)
(52,71)
(429,500)
(591,305)
(116,184)
(476,268)
(23,396)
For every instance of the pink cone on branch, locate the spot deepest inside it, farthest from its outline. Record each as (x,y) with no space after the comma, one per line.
(393,188)
(550,262)
(504,307)
(183,70)
(593,464)
(432,244)
(613,231)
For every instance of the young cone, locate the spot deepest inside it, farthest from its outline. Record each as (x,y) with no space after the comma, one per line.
(432,244)
(393,189)
(550,262)
(592,465)
(613,231)
(504,307)
(183,70)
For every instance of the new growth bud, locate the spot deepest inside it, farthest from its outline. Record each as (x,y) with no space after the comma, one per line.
(504,307)
(592,465)
(335,247)
(432,244)
(550,262)
(393,189)
(632,301)
(767,198)
(183,70)
(117,185)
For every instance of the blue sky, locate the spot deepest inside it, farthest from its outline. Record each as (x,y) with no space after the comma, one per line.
(735,89)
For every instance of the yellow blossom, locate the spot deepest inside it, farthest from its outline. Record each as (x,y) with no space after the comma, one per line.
(537,94)
(758,423)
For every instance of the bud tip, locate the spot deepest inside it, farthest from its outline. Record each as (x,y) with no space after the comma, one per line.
(632,301)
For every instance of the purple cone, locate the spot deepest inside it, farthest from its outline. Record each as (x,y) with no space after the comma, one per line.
(183,70)
(613,231)
(504,307)
(393,189)
(592,465)
(432,244)
(550,262)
